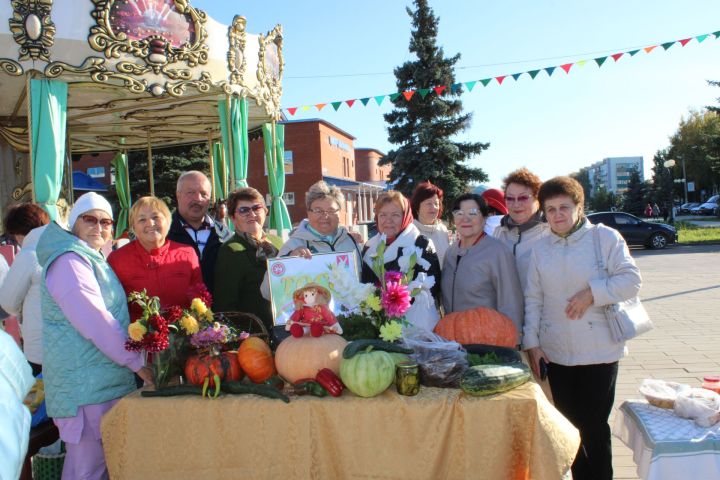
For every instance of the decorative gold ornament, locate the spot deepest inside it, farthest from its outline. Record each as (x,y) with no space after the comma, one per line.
(11,67)
(269,72)
(203,85)
(89,66)
(237,61)
(21,191)
(32,28)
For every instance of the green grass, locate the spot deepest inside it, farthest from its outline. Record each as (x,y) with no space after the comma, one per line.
(689,233)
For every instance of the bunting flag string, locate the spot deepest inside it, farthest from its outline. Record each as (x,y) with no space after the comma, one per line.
(440,89)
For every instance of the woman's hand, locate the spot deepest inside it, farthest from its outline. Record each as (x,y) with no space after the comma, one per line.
(301,252)
(579,303)
(146,374)
(535,354)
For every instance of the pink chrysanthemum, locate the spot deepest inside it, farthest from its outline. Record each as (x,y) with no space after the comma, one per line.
(394,277)
(395,299)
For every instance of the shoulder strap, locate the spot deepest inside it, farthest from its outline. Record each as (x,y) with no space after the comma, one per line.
(598,252)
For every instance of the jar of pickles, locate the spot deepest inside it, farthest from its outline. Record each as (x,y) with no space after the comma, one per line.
(712,382)
(407,378)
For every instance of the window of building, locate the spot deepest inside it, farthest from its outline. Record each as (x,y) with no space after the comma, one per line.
(288,163)
(336,142)
(289,198)
(96,172)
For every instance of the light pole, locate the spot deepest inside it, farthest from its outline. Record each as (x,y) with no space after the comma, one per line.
(669,164)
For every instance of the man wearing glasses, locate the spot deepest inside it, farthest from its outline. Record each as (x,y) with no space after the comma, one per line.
(192,225)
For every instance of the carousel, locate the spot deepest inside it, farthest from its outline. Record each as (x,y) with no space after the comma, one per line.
(82,76)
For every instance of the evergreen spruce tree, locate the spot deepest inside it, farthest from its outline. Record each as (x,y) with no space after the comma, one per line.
(168,164)
(636,197)
(424,127)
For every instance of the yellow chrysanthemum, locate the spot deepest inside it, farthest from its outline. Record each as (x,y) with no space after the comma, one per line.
(189,324)
(373,301)
(199,306)
(208,316)
(137,330)
(391,331)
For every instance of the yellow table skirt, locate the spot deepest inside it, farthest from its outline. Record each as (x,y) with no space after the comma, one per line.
(438,434)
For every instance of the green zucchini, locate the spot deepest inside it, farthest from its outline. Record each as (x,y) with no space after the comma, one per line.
(173,391)
(239,388)
(357,346)
(484,380)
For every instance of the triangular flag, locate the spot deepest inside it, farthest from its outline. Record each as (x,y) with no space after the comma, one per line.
(600,61)
(379,99)
(424,92)
(516,76)
(408,94)
(305,108)
(500,79)
(566,67)
(485,81)
(394,96)
(292,110)
(684,41)
(617,56)
(650,49)
(470,85)
(550,71)
(320,106)
(455,87)
(717,34)
(350,102)
(533,73)
(581,63)
(439,89)
(365,101)
(633,52)
(668,45)
(700,38)
(336,105)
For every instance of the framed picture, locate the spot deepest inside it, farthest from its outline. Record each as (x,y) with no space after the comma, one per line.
(288,274)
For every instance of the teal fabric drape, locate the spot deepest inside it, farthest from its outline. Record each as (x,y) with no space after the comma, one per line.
(122,187)
(221,174)
(235,139)
(48,113)
(275,162)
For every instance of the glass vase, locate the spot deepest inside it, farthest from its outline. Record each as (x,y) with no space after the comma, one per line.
(167,365)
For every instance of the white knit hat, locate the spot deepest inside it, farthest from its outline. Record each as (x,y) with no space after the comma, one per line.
(87,202)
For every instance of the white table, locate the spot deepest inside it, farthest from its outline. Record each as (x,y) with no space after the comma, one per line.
(665,446)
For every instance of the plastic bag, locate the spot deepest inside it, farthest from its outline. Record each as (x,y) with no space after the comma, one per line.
(700,404)
(441,362)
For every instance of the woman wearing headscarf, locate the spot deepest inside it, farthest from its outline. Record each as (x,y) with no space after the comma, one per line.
(427,207)
(86,367)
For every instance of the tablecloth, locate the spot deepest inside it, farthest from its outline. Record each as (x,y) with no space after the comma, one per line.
(665,446)
(440,433)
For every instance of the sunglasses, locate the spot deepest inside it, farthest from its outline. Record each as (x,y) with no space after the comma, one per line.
(246,210)
(520,199)
(91,220)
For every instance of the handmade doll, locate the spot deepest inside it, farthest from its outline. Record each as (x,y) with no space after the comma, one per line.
(312,313)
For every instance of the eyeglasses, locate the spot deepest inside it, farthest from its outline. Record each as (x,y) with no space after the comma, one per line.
(472,213)
(253,208)
(324,213)
(519,199)
(92,220)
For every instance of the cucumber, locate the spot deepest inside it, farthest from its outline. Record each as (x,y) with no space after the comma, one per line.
(484,380)
(239,388)
(357,346)
(173,391)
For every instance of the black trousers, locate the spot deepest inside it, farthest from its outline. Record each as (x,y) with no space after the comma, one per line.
(585,395)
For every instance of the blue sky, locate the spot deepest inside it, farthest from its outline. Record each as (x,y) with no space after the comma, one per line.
(342,50)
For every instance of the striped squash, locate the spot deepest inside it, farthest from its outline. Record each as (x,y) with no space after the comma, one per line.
(484,380)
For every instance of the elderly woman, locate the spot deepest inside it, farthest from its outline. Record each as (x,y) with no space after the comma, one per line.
(426,205)
(524,225)
(321,231)
(242,260)
(165,269)
(479,270)
(85,319)
(565,324)
(20,292)
(402,238)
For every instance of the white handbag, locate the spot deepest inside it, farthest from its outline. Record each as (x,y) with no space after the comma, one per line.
(627,319)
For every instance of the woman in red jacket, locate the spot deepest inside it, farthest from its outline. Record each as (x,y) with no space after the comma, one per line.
(166,269)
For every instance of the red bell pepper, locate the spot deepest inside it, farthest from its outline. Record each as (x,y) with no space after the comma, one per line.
(330,382)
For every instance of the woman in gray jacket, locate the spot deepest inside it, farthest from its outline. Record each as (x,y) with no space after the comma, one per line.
(565,324)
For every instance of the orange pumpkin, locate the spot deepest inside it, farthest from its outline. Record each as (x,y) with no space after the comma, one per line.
(256,359)
(231,366)
(479,325)
(201,366)
(304,357)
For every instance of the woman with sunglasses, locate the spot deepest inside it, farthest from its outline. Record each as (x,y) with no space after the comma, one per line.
(165,269)
(524,224)
(479,271)
(86,367)
(242,259)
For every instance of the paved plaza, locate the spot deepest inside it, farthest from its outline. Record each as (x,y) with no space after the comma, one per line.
(681,291)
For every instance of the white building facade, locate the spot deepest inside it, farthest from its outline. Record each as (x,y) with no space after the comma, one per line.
(613,173)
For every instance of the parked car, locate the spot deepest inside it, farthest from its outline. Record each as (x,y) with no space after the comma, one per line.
(685,208)
(710,207)
(695,210)
(636,231)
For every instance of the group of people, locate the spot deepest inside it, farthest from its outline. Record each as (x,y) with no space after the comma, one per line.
(526,250)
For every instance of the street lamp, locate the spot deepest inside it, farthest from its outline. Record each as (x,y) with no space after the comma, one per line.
(669,164)
(684,179)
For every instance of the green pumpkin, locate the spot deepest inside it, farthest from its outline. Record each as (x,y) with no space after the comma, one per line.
(368,373)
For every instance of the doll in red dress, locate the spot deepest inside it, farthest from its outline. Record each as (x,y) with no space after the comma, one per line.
(312,313)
